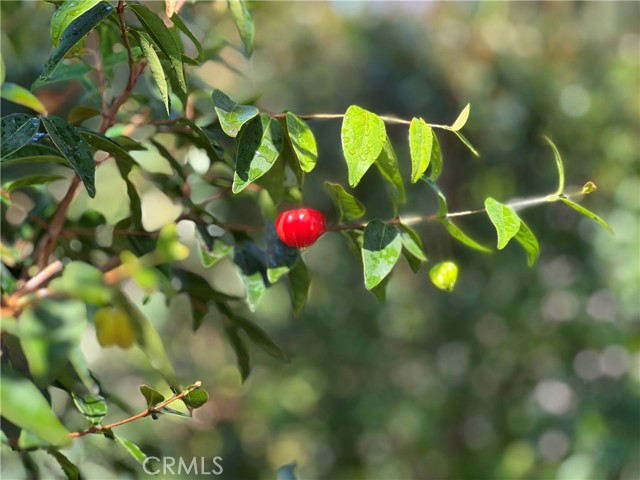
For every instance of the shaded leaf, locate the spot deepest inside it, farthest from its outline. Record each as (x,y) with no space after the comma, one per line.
(527,239)
(504,218)
(74,148)
(444,275)
(259,337)
(30,181)
(302,141)
(84,282)
(251,264)
(436,159)
(244,22)
(420,146)
(66,13)
(299,281)
(81,113)
(71,35)
(153,397)
(242,355)
(23,404)
(363,137)
(20,95)
(259,145)
(178,22)
(213,148)
(586,213)
(280,256)
(7,280)
(350,207)
(68,468)
(380,251)
(232,115)
(17,130)
(387,163)
(155,66)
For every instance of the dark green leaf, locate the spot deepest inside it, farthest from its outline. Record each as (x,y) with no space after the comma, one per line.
(259,337)
(242,355)
(420,145)
(152,396)
(106,144)
(299,280)
(251,264)
(67,13)
(162,37)
(302,141)
(527,239)
(133,449)
(232,115)
(587,213)
(30,181)
(92,407)
(24,405)
(74,148)
(17,130)
(196,399)
(280,256)
(380,251)
(213,148)
(75,32)
(387,163)
(81,113)
(68,468)
(444,275)
(178,22)
(17,94)
(504,218)
(7,280)
(48,331)
(244,22)
(350,207)
(363,137)
(155,66)
(259,145)
(63,73)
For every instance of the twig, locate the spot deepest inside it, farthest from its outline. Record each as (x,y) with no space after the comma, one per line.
(385,118)
(149,411)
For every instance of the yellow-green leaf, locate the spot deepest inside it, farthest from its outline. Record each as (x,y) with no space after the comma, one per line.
(363,137)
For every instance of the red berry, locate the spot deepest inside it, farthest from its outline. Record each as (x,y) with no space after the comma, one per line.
(300,228)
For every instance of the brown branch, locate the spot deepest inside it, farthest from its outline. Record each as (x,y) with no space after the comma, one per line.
(145,413)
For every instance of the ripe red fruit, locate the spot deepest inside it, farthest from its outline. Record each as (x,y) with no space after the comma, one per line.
(300,228)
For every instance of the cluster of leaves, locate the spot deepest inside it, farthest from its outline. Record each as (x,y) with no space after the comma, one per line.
(259,155)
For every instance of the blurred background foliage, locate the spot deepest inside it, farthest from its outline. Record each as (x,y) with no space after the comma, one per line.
(519,373)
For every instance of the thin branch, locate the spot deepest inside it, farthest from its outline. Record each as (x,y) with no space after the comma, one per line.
(149,411)
(385,118)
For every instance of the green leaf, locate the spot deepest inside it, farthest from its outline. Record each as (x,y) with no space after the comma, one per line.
(527,239)
(74,148)
(81,113)
(350,207)
(380,251)
(444,275)
(586,213)
(504,218)
(588,188)
(259,337)
(232,115)
(17,130)
(251,264)
(48,332)
(210,255)
(363,137)
(462,237)
(242,355)
(15,160)
(467,143)
(133,449)
(20,95)
(63,73)
(462,119)
(196,399)
(259,145)
(22,403)
(380,290)
(92,407)
(244,22)
(559,164)
(162,37)
(66,13)
(71,35)
(274,180)
(68,468)
(412,247)
(168,248)
(213,148)
(280,256)
(387,163)
(30,181)
(436,159)
(84,282)
(302,141)
(420,145)
(178,22)
(106,144)
(7,280)
(153,397)
(153,60)
(299,281)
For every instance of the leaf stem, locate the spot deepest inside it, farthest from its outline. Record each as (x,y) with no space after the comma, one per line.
(385,118)
(145,413)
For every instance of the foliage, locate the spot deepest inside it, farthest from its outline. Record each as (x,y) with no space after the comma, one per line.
(252,156)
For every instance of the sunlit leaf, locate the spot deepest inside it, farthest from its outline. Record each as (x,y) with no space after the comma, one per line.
(68,468)
(84,282)
(303,142)
(155,66)
(132,448)
(244,22)
(462,118)
(529,242)
(587,213)
(462,237)
(381,250)
(412,247)
(350,207)
(75,149)
(363,137)
(504,218)
(436,159)
(67,13)
(420,146)
(231,114)
(467,143)
(92,407)
(387,163)
(559,165)
(17,130)
(259,145)
(444,275)
(20,95)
